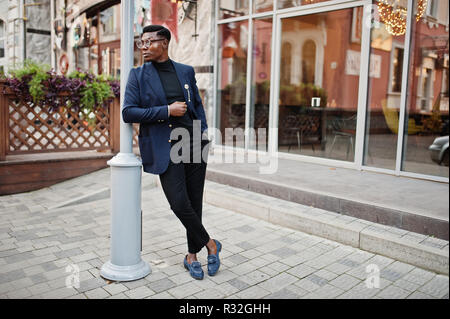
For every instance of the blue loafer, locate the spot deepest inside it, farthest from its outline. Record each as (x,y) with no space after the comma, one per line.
(214,261)
(195,269)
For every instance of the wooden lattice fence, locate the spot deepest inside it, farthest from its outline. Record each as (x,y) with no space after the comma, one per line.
(31,128)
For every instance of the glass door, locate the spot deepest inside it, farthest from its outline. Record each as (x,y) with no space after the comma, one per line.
(319,75)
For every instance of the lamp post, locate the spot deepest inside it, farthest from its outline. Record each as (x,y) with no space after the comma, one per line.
(126,232)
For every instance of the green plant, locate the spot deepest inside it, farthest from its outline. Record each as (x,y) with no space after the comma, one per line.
(34,82)
(35,74)
(301,95)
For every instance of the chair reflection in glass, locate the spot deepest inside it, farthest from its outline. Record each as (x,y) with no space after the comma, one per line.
(344,128)
(303,128)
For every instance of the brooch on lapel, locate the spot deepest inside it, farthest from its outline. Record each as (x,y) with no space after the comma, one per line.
(186,86)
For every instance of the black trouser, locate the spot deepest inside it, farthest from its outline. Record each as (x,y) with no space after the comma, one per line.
(183,185)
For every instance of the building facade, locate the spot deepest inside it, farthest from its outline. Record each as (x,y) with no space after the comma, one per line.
(25,32)
(87,36)
(358,84)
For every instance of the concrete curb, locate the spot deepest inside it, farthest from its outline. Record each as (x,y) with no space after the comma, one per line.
(368,211)
(329,225)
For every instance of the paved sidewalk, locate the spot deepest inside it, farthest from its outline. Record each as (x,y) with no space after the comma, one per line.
(259,259)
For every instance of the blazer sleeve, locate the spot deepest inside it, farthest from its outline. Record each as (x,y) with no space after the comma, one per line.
(198,102)
(133,112)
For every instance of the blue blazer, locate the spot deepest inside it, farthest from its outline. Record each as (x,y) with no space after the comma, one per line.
(145,103)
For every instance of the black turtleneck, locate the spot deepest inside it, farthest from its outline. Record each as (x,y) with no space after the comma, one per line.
(173,91)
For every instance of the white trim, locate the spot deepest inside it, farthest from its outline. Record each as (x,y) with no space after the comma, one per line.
(425,177)
(273,142)
(264,14)
(216,72)
(314,6)
(403,99)
(433,178)
(233,20)
(249,78)
(363,90)
(320,8)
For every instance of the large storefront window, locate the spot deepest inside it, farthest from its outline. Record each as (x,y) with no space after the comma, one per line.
(384,92)
(427,106)
(319,79)
(232,75)
(426,116)
(319,59)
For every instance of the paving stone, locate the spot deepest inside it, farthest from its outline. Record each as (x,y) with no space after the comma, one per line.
(59,293)
(325,292)
(238,283)
(91,284)
(162,295)
(406,285)
(139,293)
(254,292)
(301,271)
(115,288)
(344,282)
(419,295)
(97,293)
(419,276)
(436,287)
(12,275)
(185,290)
(284,293)
(393,292)
(278,282)
(283,252)
(254,277)
(210,294)
(161,285)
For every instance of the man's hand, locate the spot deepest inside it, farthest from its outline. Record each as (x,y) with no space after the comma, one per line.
(177,108)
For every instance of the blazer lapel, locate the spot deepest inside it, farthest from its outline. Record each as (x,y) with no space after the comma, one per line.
(155,83)
(184,84)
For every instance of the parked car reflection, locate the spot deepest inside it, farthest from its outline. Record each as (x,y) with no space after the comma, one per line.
(439,150)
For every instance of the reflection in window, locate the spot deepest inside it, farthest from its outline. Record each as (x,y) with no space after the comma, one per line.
(282,4)
(286,57)
(425,147)
(262,5)
(397,65)
(232,75)
(2,39)
(432,8)
(308,62)
(110,24)
(232,8)
(259,105)
(319,78)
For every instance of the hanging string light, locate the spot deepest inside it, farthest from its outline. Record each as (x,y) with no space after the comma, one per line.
(394,16)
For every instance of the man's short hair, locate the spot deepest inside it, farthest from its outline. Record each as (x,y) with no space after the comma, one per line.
(162,31)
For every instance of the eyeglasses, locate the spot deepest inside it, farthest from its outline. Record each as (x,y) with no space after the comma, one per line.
(146,43)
